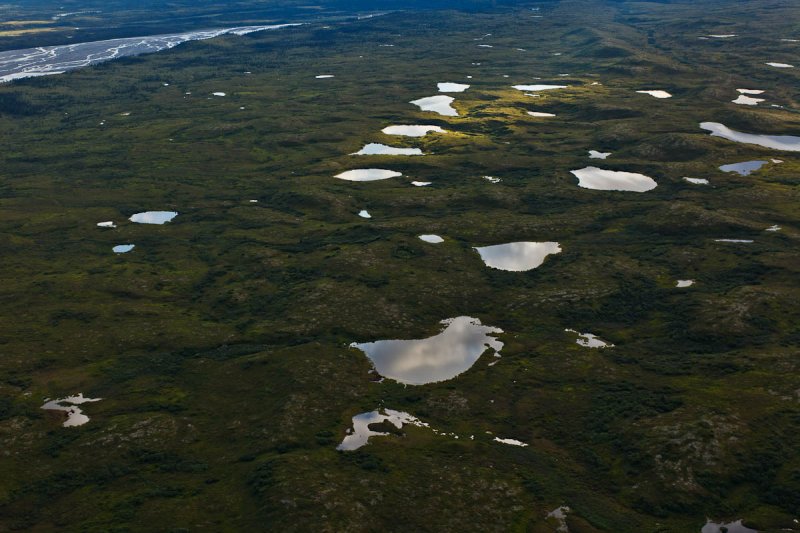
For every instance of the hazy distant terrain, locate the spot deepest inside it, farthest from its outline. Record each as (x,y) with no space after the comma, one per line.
(635,370)
(31,24)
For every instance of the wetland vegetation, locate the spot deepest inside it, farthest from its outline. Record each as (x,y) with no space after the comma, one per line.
(233,397)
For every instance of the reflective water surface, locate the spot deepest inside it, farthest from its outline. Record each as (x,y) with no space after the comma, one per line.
(412,131)
(75,416)
(368,174)
(359,435)
(733,527)
(517,256)
(538,87)
(452,87)
(437,104)
(438,358)
(589,340)
(787,143)
(743,99)
(382,149)
(656,94)
(153,217)
(512,442)
(745,168)
(433,239)
(47,60)
(612,180)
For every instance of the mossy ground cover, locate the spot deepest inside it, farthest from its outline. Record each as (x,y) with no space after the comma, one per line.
(220,344)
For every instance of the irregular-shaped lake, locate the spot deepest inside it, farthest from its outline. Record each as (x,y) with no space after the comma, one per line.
(743,99)
(47,60)
(382,149)
(733,527)
(153,217)
(517,256)
(438,358)
(433,239)
(776,142)
(412,131)
(437,104)
(368,174)
(696,181)
(75,416)
(452,87)
(589,340)
(123,248)
(511,442)
(611,180)
(538,87)
(656,94)
(360,434)
(743,169)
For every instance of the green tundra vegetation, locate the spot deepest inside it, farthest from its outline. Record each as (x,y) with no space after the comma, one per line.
(220,345)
